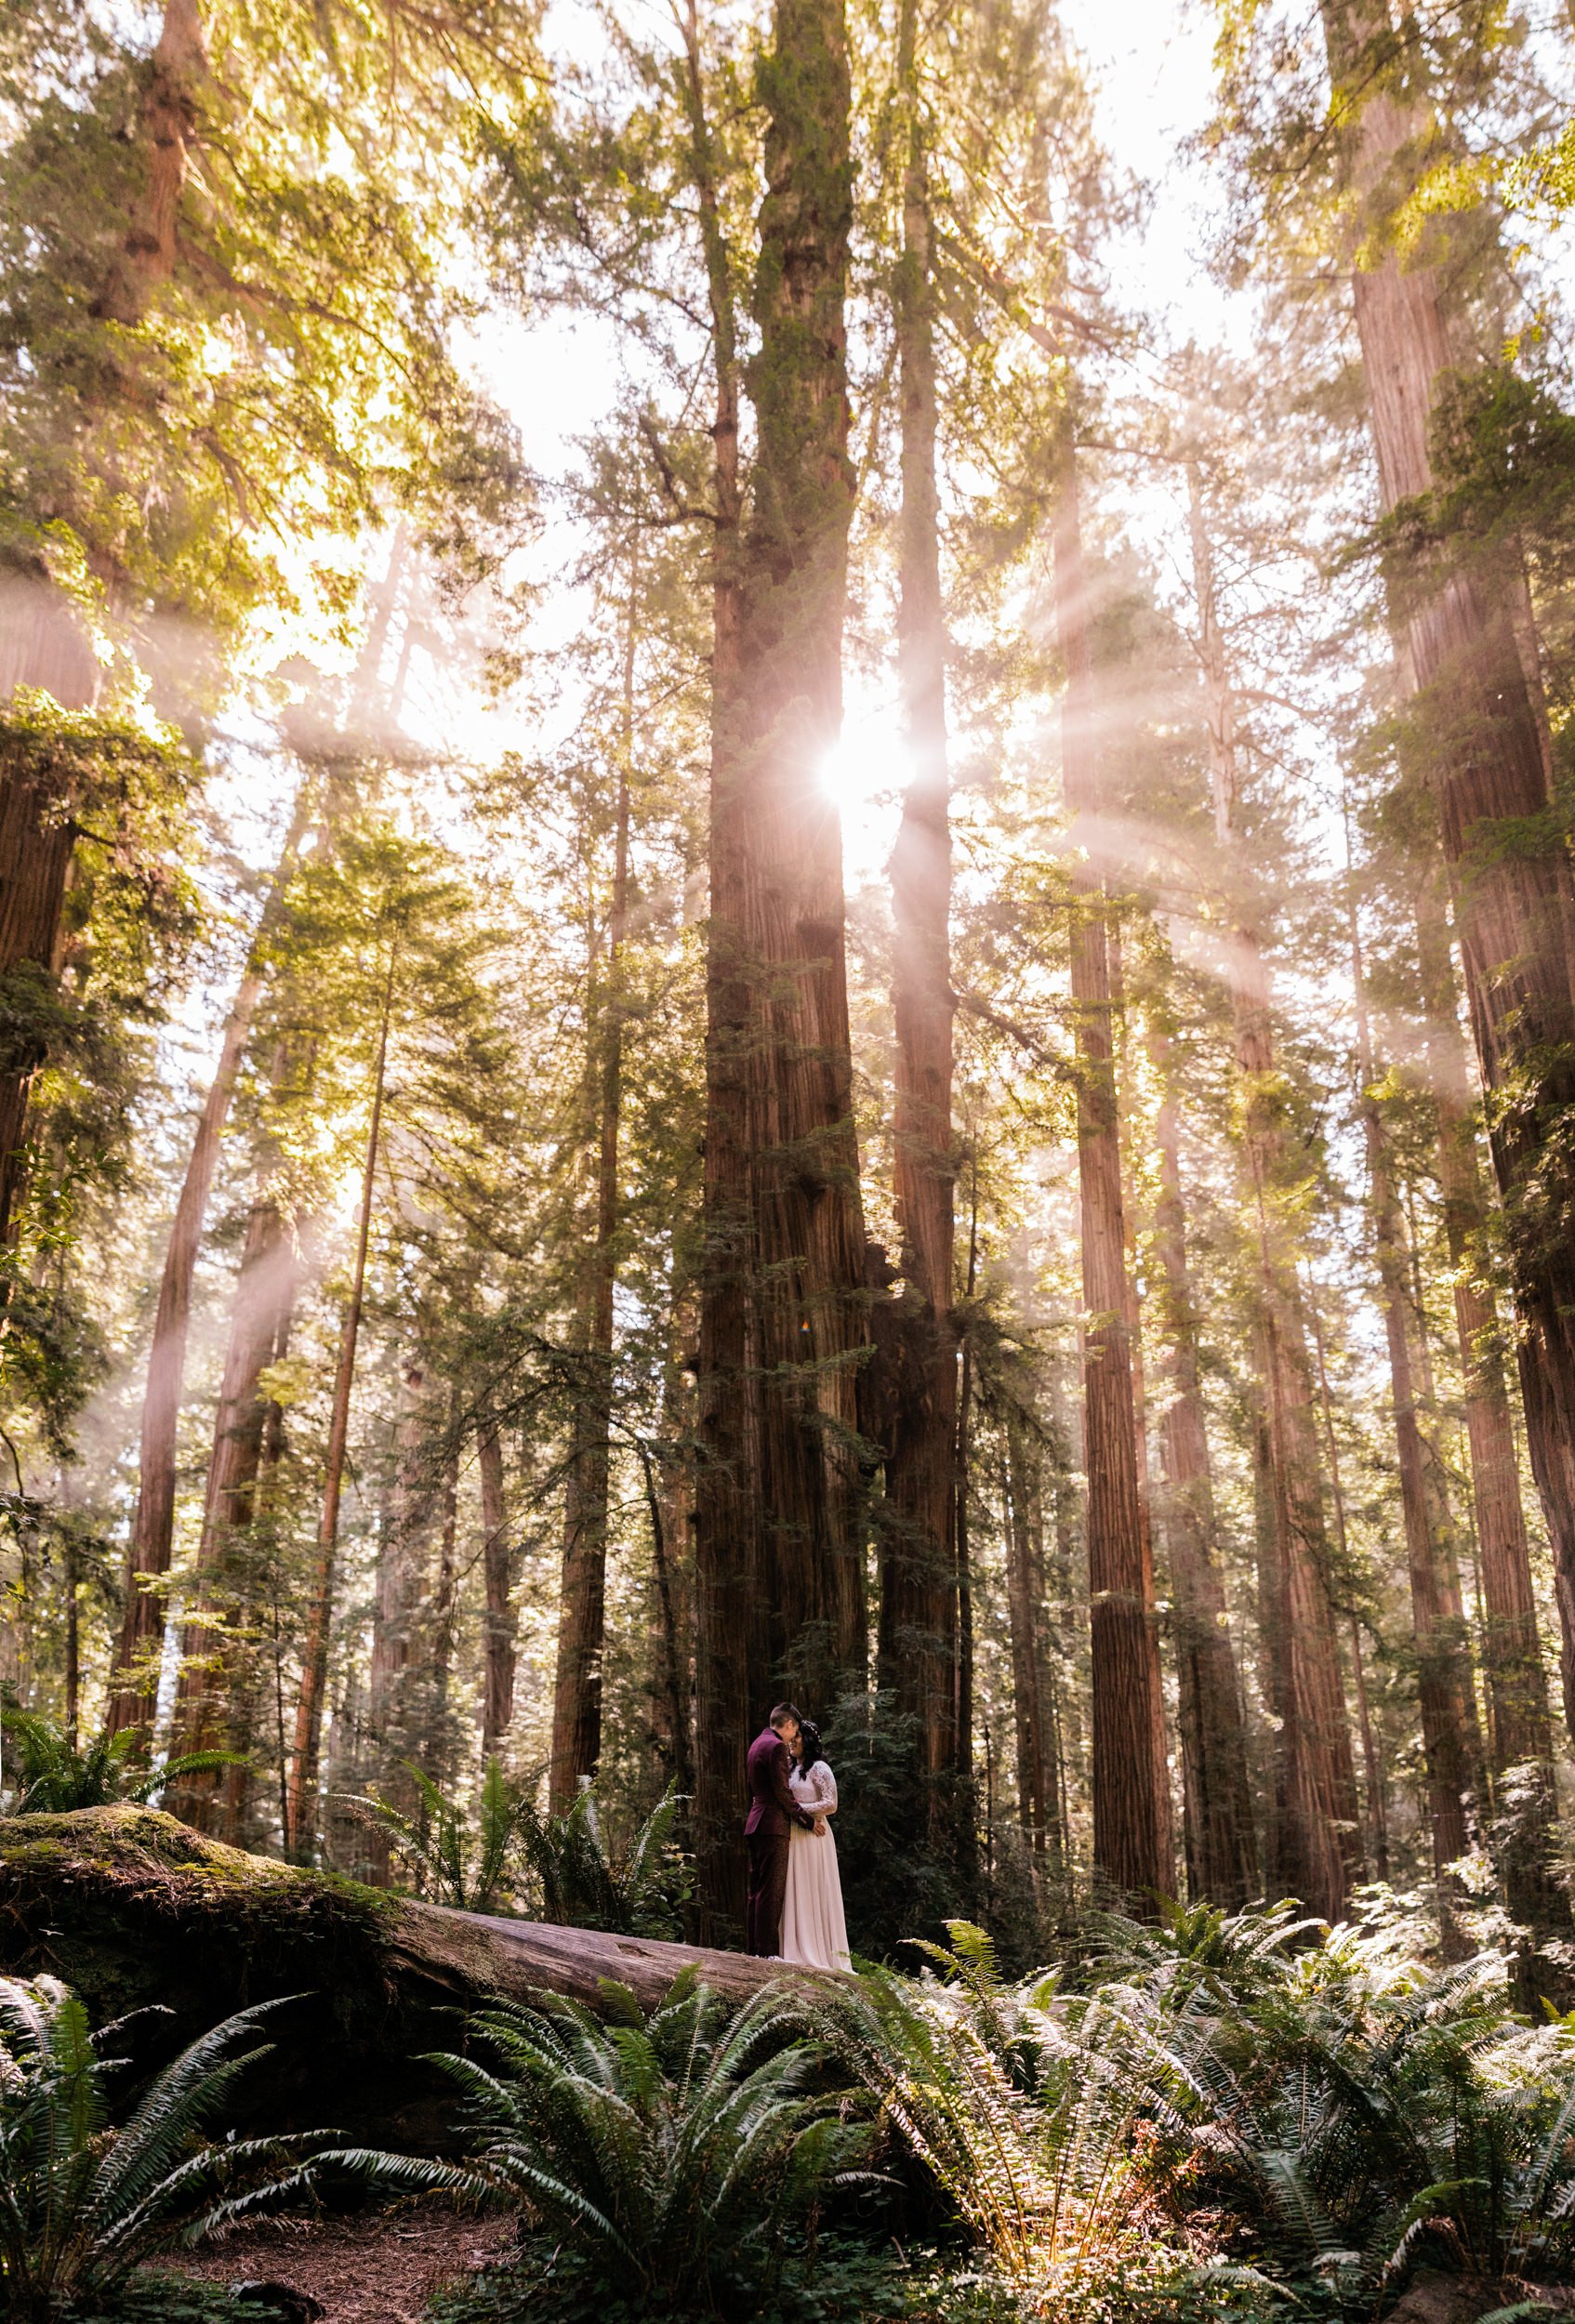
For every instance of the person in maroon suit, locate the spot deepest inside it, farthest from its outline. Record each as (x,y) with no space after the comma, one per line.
(773,1813)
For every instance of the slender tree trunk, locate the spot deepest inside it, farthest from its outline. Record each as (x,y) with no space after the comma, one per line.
(1131,1839)
(577,1709)
(1378,1818)
(962,1702)
(1450,1742)
(498,1686)
(153,1524)
(301,1836)
(919,1597)
(265,1293)
(1315,1838)
(1515,906)
(404,1669)
(1036,1790)
(1222,1848)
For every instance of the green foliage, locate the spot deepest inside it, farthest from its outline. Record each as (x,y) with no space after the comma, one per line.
(1339,2112)
(585,1883)
(831,2281)
(454,1861)
(1030,2107)
(51,1773)
(667,2157)
(84,2201)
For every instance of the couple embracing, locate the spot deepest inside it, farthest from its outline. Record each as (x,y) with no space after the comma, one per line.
(795,1889)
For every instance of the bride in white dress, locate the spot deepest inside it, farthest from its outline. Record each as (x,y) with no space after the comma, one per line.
(813,1930)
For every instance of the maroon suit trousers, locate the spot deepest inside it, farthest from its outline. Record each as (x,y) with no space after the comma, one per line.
(768,1891)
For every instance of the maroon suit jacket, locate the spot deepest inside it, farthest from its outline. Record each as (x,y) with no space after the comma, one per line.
(773,1808)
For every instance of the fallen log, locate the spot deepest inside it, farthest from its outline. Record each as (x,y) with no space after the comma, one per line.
(135,1909)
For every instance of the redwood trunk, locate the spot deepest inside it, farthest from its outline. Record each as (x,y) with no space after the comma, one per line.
(919,1583)
(808,1290)
(1222,1848)
(1514,910)
(1131,1840)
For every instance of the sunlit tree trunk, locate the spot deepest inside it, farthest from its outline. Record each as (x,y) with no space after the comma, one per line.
(1316,1835)
(1515,907)
(918,1591)
(919,1581)
(153,1524)
(1222,1848)
(577,1709)
(810,1291)
(779,1557)
(1131,1839)
(301,1835)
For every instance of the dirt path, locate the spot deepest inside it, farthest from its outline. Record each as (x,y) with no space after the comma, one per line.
(381,2269)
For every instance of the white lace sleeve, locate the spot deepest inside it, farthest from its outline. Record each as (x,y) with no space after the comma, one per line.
(824,1787)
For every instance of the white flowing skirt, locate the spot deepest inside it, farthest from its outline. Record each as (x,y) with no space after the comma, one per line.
(813,1930)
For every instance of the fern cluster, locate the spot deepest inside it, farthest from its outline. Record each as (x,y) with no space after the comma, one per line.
(672,2159)
(1235,2108)
(51,1774)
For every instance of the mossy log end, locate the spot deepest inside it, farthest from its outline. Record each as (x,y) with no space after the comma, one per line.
(133,1909)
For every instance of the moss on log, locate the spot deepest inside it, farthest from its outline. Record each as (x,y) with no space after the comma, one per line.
(134,1909)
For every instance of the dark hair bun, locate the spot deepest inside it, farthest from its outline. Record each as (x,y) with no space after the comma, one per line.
(809,1735)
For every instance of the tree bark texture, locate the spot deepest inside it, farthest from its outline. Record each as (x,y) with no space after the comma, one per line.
(1510,875)
(1315,1837)
(809,1272)
(783,1323)
(1132,1838)
(1221,1840)
(919,1584)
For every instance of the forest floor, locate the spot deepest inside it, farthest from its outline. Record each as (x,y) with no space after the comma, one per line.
(377,2267)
